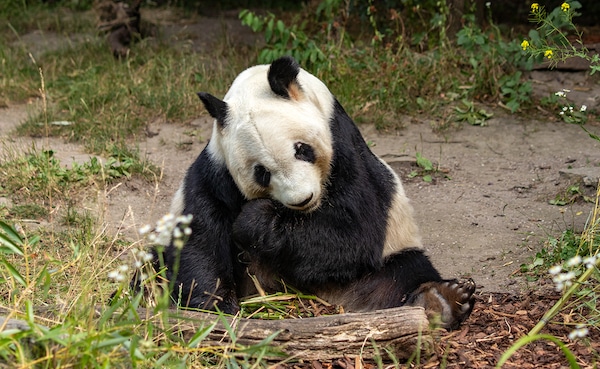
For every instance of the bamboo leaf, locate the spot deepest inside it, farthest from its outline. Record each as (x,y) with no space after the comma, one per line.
(14,272)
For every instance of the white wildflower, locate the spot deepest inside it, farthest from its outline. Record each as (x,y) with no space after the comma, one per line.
(145,229)
(569,276)
(555,270)
(116,276)
(168,229)
(123,268)
(177,232)
(590,261)
(560,94)
(146,256)
(141,257)
(574,261)
(185,219)
(563,280)
(565,108)
(178,243)
(583,108)
(579,332)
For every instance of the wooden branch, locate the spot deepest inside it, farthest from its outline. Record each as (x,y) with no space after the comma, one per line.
(365,335)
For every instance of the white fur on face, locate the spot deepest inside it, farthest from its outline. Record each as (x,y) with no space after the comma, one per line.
(262,129)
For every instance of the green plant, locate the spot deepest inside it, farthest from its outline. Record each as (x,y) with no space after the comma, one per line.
(569,196)
(11,243)
(514,91)
(283,40)
(551,41)
(468,113)
(426,169)
(494,61)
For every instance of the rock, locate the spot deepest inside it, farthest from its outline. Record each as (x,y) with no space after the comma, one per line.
(589,176)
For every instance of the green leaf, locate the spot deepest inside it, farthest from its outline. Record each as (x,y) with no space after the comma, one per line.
(7,246)
(424,162)
(14,272)
(11,233)
(513,105)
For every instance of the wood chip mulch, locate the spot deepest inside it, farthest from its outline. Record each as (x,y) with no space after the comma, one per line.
(497,322)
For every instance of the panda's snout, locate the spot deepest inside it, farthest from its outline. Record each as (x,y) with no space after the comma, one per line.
(302,204)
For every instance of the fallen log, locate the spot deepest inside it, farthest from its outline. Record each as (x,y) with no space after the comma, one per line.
(401,331)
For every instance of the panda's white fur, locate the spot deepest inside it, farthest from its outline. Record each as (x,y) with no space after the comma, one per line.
(262,131)
(336,222)
(402,230)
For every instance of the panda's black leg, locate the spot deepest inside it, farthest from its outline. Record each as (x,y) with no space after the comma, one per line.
(408,278)
(448,301)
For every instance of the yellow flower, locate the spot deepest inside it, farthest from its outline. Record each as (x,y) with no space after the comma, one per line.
(565,7)
(548,54)
(525,44)
(535,7)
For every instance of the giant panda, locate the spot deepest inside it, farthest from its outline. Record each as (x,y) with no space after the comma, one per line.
(288,191)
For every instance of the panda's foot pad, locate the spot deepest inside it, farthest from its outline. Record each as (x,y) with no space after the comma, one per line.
(449,302)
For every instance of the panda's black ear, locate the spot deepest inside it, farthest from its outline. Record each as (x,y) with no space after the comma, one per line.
(282,78)
(216,108)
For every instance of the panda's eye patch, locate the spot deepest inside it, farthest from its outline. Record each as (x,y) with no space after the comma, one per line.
(262,176)
(304,152)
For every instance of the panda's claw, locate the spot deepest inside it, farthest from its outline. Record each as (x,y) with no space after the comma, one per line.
(448,302)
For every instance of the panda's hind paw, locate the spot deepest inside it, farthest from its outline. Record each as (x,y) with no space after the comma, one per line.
(450,302)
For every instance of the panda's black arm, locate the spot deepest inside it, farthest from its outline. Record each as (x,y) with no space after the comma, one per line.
(308,250)
(206,267)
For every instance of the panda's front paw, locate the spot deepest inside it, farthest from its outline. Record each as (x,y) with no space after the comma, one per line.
(450,302)
(257,208)
(254,223)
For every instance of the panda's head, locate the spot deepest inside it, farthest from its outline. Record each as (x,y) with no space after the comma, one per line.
(272,131)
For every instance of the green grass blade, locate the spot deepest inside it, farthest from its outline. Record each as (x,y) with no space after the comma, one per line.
(528,339)
(201,335)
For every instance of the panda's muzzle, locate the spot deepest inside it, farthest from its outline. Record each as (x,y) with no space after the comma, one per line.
(302,205)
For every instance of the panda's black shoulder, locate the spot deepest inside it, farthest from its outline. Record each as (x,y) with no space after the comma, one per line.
(208,180)
(351,152)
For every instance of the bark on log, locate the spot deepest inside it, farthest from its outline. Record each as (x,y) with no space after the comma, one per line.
(400,330)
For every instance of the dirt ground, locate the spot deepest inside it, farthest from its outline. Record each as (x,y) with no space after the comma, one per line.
(490,216)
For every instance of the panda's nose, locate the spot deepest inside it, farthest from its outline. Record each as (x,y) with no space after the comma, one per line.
(303,203)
